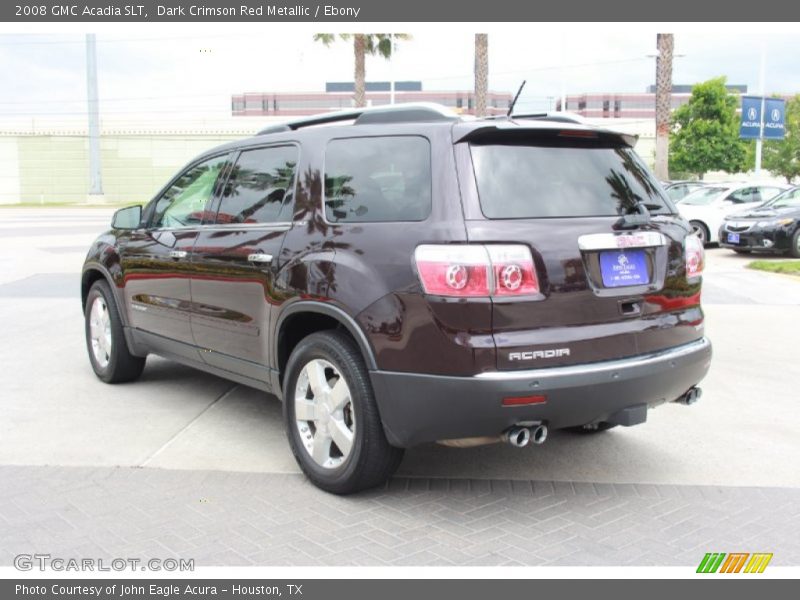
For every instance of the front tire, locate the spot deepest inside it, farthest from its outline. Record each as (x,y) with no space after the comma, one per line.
(105,340)
(795,248)
(332,420)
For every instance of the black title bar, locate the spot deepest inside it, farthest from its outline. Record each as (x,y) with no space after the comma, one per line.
(419,589)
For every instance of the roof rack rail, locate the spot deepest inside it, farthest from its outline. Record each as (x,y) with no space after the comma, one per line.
(397,113)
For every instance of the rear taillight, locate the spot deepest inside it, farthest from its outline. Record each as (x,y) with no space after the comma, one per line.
(512,267)
(695,256)
(474,271)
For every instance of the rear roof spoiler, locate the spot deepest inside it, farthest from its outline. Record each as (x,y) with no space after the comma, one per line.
(544,123)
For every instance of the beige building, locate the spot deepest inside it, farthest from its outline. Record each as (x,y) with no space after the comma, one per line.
(48,162)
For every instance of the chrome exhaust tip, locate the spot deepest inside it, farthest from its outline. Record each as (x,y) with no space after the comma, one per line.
(538,434)
(692,396)
(518,437)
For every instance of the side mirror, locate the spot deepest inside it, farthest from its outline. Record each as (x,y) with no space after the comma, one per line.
(129,217)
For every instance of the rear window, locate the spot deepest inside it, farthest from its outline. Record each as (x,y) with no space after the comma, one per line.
(704,196)
(378,179)
(523,181)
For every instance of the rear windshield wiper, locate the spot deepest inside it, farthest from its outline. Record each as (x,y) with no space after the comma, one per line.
(637,219)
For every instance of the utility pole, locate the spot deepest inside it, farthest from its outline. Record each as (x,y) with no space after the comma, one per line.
(95,173)
(391,69)
(563,74)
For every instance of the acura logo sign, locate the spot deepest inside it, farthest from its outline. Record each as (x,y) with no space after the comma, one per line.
(752,113)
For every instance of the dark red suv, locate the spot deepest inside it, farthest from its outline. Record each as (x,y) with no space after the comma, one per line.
(403,276)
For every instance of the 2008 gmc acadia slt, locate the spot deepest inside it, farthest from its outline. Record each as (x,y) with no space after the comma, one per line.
(403,275)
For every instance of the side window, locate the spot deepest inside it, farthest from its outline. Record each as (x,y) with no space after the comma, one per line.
(378,179)
(744,195)
(185,200)
(260,186)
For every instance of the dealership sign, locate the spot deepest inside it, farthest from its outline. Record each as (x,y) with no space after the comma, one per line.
(771,120)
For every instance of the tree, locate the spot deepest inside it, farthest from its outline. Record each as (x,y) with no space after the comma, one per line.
(706,132)
(481,72)
(666,44)
(783,157)
(364,44)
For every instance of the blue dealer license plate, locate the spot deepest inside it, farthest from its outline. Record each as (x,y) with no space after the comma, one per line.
(733,238)
(624,267)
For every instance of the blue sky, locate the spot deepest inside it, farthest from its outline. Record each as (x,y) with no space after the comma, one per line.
(193,74)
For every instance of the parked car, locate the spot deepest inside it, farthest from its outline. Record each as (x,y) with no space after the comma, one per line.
(677,190)
(404,276)
(773,227)
(707,207)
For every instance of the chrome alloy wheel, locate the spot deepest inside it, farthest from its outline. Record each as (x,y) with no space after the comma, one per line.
(700,231)
(324,414)
(100,332)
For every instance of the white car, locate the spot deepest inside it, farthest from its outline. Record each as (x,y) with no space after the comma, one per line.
(707,207)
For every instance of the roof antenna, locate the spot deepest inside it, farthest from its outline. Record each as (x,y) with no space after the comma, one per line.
(514,101)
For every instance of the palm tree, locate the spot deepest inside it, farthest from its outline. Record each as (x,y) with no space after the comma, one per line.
(481,72)
(363,44)
(666,45)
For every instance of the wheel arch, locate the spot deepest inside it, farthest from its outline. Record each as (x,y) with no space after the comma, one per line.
(303,318)
(93,272)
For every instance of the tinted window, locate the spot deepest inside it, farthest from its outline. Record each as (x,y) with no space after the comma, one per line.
(184,202)
(378,179)
(526,181)
(260,186)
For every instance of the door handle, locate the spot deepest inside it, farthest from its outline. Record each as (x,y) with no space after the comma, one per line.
(259,258)
(177,254)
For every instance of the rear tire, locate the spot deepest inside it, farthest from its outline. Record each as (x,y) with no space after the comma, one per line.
(111,360)
(700,229)
(332,420)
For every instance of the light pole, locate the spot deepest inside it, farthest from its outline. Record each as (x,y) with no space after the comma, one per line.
(95,174)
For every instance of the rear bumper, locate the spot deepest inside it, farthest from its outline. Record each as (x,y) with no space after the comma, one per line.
(423,408)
